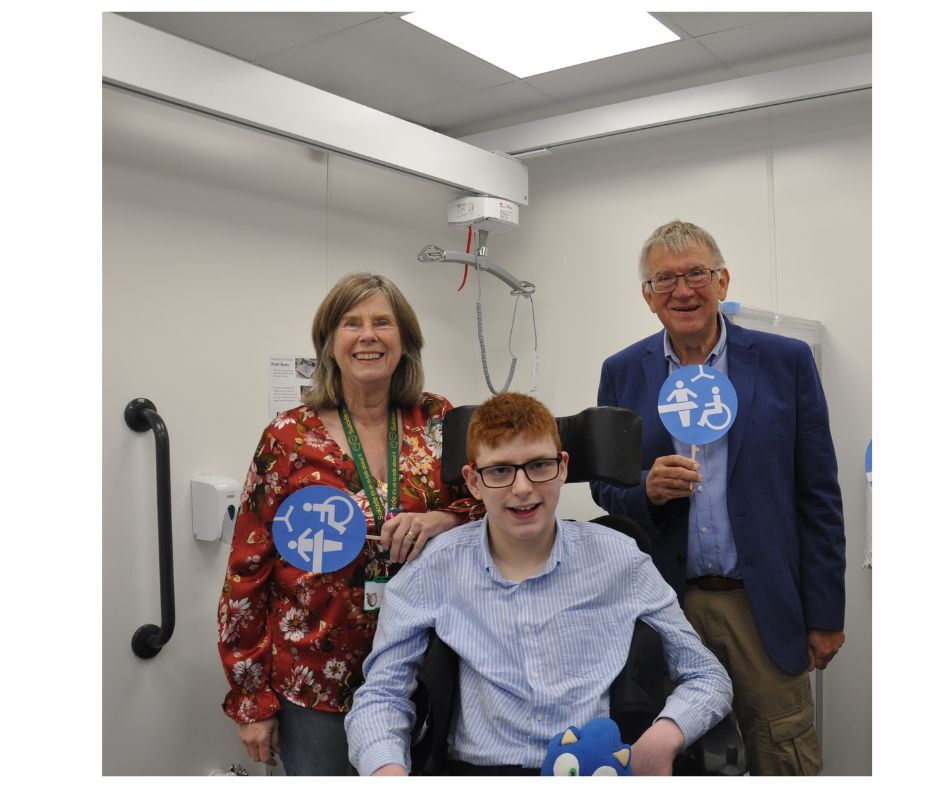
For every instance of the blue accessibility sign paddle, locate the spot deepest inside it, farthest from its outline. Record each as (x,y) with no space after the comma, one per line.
(697,404)
(868,463)
(319,529)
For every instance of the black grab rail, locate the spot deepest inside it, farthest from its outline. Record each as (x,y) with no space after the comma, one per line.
(141,415)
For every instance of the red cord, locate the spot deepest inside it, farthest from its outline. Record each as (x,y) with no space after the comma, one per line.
(466,268)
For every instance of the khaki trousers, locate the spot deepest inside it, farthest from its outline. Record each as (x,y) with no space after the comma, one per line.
(774,709)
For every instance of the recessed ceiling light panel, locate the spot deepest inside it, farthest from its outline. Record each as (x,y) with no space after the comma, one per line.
(525,43)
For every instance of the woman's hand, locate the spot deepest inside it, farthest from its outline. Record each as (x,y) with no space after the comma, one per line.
(260,740)
(406,534)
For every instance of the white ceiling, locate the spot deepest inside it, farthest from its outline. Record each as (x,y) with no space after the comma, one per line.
(383,62)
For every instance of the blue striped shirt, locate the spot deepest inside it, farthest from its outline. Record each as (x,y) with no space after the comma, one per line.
(535,656)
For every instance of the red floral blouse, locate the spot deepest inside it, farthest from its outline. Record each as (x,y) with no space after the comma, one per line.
(305,635)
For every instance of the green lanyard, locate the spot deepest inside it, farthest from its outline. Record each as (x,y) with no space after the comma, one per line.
(359,458)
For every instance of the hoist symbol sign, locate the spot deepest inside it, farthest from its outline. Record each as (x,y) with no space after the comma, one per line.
(319,529)
(697,404)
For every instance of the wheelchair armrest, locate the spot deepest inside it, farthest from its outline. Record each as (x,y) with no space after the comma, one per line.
(638,695)
(435,697)
(719,752)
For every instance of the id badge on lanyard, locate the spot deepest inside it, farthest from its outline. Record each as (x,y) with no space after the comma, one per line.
(374,588)
(373,593)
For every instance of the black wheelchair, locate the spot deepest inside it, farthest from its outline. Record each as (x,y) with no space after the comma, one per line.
(604,445)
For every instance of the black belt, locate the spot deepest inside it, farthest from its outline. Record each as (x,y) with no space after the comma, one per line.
(464,768)
(715,583)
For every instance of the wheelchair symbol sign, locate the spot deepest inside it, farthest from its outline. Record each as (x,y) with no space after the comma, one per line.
(319,529)
(868,463)
(697,404)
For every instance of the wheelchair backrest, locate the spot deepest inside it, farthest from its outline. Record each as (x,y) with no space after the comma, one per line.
(603,444)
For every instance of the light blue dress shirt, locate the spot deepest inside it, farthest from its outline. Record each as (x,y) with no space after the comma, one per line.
(711,544)
(535,656)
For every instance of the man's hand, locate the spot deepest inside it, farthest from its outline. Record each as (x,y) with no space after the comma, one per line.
(390,770)
(260,740)
(822,645)
(406,534)
(671,477)
(657,748)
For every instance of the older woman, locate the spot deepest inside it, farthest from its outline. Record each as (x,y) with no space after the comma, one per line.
(292,642)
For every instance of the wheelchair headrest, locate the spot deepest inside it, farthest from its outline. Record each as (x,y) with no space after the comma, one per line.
(604,444)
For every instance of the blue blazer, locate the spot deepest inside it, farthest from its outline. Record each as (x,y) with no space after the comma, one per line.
(783,494)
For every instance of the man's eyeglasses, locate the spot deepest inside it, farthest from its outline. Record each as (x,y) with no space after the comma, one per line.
(666,283)
(543,470)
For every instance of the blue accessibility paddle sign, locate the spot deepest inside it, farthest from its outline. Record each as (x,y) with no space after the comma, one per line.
(697,404)
(868,463)
(319,529)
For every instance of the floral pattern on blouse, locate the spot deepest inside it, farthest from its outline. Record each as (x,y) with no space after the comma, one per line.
(304,635)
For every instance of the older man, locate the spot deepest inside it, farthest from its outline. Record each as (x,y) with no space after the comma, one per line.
(750,535)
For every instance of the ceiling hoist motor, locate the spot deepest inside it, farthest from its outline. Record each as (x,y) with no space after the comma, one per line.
(484,215)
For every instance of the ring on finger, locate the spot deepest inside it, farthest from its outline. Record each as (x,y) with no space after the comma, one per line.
(410,535)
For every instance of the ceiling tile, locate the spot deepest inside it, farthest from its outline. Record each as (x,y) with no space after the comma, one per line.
(387,64)
(250,36)
(791,41)
(633,74)
(700,24)
(482,110)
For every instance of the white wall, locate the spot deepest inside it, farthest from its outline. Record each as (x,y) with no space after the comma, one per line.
(219,243)
(787,194)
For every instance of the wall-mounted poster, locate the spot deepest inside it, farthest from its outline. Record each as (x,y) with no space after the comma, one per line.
(289,379)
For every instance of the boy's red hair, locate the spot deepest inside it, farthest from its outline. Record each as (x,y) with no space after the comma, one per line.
(504,416)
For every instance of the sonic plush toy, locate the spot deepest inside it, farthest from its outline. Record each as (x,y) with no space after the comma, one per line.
(593,751)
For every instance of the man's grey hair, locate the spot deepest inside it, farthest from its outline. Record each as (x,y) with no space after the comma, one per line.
(677,236)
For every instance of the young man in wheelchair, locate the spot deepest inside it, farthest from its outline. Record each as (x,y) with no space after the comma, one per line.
(541,613)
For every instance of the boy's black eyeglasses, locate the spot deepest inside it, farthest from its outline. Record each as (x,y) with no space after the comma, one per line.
(536,471)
